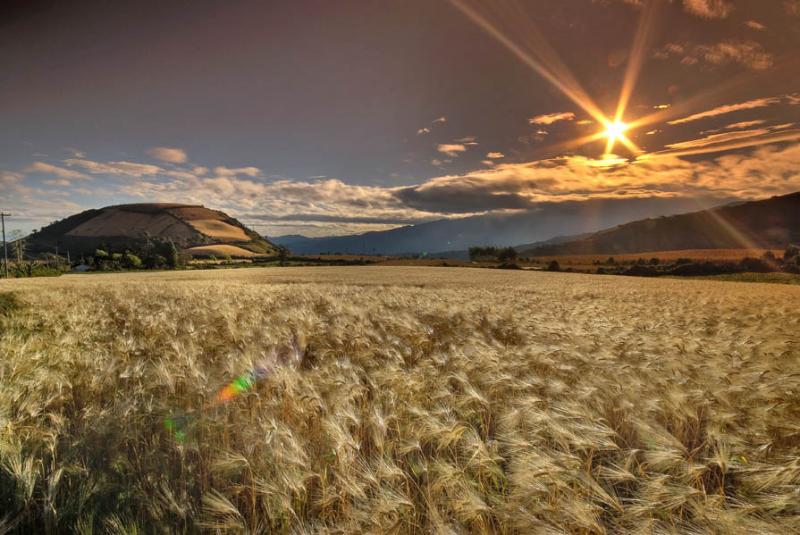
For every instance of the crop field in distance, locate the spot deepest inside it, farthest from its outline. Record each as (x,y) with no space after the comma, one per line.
(421,400)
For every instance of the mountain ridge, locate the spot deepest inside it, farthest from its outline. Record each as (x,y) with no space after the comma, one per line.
(506,229)
(771,223)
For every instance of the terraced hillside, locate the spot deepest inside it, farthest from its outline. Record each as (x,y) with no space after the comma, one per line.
(193,228)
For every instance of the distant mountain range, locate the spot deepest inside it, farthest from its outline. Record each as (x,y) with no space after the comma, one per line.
(196,229)
(451,237)
(767,224)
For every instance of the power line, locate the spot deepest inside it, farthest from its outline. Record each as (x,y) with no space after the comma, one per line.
(3,217)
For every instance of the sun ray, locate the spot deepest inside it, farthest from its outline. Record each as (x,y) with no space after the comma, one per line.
(732,86)
(636,56)
(555,72)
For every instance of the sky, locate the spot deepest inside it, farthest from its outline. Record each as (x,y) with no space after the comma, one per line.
(325,118)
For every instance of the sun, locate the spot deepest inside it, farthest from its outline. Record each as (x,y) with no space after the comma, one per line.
(615,130)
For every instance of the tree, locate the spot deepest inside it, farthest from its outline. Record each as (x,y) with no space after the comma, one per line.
(283,254)
(507,254)
(173,260)
(553,266)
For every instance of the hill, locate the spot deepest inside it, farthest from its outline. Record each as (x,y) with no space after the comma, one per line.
(506,229)
(195,229)
(766,224)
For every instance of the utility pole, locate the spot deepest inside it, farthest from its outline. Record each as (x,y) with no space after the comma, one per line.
(3,217)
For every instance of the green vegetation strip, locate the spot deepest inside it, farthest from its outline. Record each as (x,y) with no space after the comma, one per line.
(8,303)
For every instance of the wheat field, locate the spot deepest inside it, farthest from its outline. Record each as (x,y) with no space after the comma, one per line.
(424,400)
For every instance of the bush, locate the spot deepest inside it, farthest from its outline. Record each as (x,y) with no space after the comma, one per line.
(792,252)
(640,270)
(700,269)
(757,265)
(553,266)
(131,261)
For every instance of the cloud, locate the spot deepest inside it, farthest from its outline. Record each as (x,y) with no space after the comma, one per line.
(745,124)
(451,149)
(439,120)
(68,174)
(755,25)
(717,138)
(235,171)
(9,179)
(495,155)
(766,170)
(123,168)
(168,154)
(494,186)
(468,140)
(746,53)
(708,9)
(792,7)
(57,182)
(423,131)
(551,118)
(728,108)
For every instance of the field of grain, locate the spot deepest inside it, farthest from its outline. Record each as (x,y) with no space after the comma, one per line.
(695,255)
(422,400)
(220,249)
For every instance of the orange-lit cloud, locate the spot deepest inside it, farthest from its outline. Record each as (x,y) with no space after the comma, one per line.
(451,149)
(728,108)
(551,118)
(709,9)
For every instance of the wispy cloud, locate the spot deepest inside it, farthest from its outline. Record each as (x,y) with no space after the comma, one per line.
(717,138)
(728,108)
(423,131)
(755,25)
(551,118)
(122,168)
(168,154)
(60,172)
(746,53)
(495,155)
(745,124)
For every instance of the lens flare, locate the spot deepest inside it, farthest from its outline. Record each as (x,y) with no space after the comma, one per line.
(179,424)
